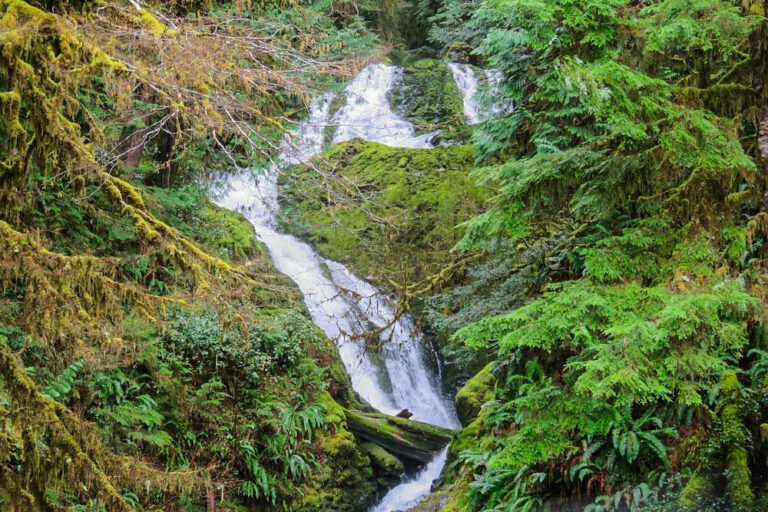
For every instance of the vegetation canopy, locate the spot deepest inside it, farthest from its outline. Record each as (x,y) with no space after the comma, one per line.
(590,262)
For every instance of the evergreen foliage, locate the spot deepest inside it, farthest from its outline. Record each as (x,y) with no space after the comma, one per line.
(620,287)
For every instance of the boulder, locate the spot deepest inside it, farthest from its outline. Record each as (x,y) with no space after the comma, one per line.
(477,391)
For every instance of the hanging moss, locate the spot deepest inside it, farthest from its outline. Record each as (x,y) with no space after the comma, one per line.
(65,460)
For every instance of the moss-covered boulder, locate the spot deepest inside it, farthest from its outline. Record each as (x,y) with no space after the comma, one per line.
(446,499)
(434,502)
(477,391)
(428,97)
(344,478)
(385,211)
(411,440)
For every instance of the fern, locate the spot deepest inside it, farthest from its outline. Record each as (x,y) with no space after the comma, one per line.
(60,388)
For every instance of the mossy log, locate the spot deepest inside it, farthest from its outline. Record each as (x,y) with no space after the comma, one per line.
(411,440)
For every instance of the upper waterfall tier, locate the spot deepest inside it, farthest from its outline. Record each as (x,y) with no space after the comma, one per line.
(482,97)
(367,113)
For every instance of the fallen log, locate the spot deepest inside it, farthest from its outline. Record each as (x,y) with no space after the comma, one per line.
(408,439)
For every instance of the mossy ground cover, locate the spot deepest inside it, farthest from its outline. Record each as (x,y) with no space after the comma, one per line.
(224,233)
(387,212)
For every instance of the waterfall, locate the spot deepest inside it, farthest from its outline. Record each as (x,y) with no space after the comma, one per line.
(368,115)
(410,493)
(473,90)
(466,81)
(339,302)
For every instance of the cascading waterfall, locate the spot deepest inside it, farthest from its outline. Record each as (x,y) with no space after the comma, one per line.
(472,90)
(368,115)
(410,493)
(402,379)
(466,81)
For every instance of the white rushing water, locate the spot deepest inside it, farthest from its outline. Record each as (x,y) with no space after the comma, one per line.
(466,81)
(472,90)
(339,302)
(410,493)
(368,115)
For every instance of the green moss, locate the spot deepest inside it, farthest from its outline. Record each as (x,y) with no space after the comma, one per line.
(407,205)
(434,502)
(224,233)
(456,476)
(344,479)
(326,353)
(152,24)
(730,385)
(738,489)
(382,460)
(696,490)
(467,438)
(407,439)
(428,97)
(477,391)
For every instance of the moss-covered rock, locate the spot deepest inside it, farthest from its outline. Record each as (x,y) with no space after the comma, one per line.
(389,211)
(429,98)
(383,460)
(344,479)
(434,502)
(386,467)
(459,51)
(477,391)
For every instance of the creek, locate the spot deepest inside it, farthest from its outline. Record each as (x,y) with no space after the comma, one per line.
(398,375)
